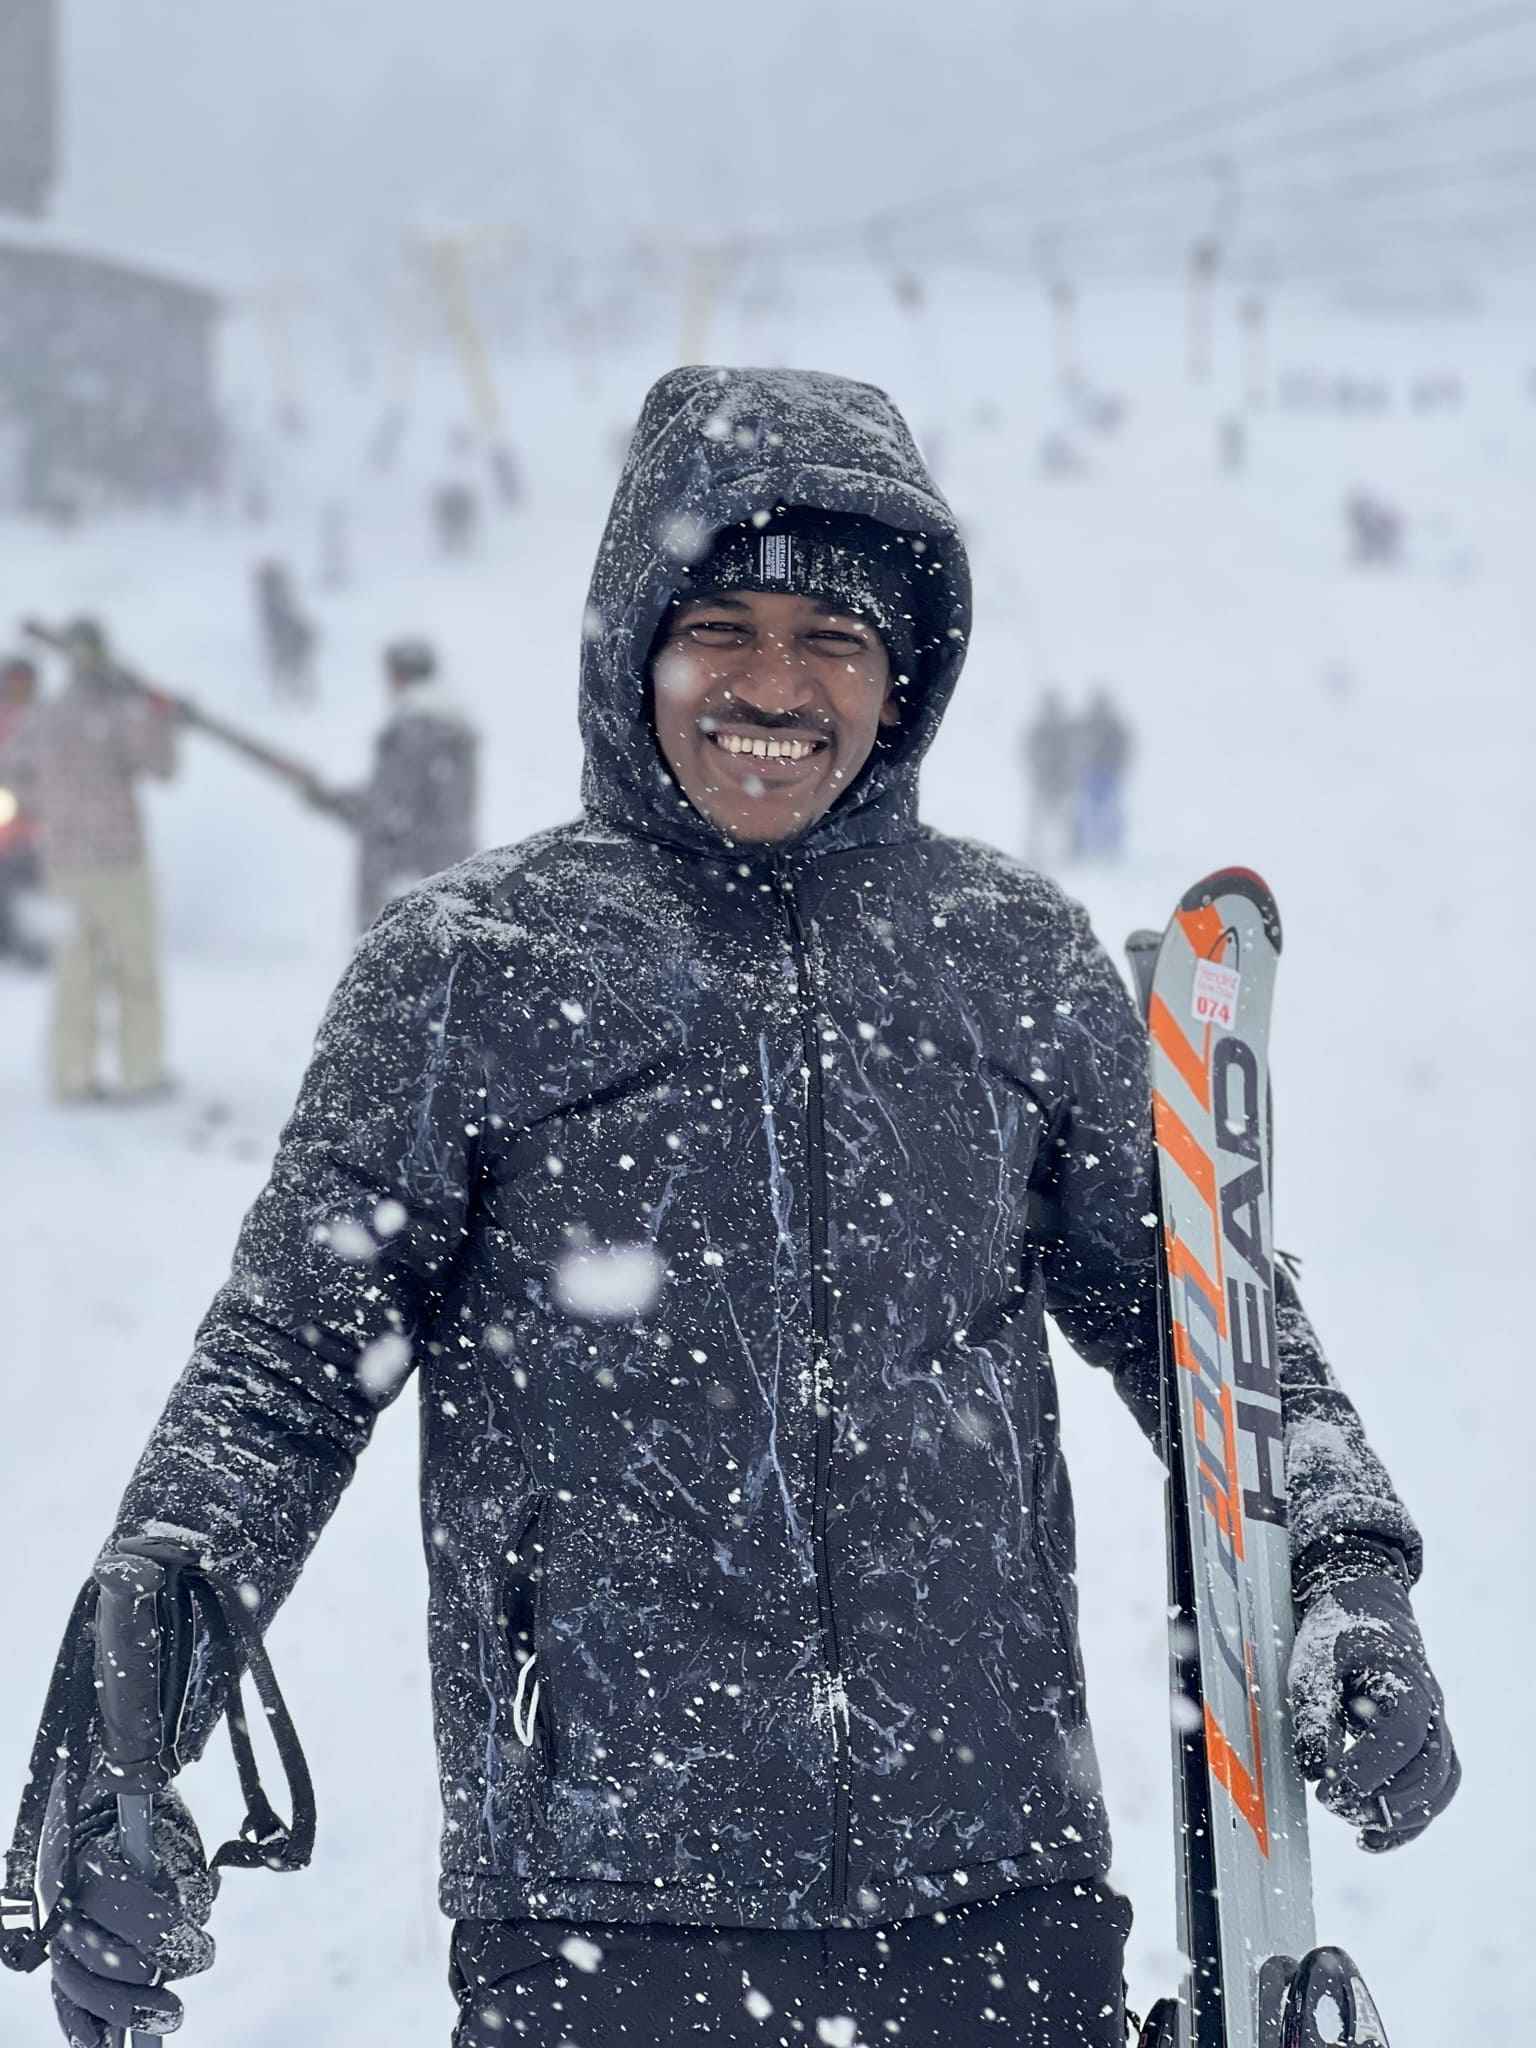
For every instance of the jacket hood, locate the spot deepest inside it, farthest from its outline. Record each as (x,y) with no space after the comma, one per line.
(712,447)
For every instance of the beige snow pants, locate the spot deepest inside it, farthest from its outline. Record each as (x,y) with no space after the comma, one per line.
(110,949)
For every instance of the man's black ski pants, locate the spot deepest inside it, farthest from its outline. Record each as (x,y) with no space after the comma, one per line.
(1031,1969)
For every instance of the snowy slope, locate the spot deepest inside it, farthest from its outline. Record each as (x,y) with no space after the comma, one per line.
(1366,741)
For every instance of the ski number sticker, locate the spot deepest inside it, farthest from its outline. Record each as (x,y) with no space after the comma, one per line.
(1214,997)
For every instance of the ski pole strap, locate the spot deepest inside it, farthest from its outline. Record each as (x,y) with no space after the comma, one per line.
(68,1734)
(264,1840)
(69,1708)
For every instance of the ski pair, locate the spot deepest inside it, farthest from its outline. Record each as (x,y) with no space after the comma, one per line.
(1255,1978)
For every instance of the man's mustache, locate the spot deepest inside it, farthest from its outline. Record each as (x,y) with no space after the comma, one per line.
(767,722)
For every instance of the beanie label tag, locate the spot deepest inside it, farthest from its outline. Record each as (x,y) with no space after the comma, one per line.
(775,557)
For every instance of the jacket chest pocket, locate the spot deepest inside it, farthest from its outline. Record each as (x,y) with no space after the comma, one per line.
(523,1618)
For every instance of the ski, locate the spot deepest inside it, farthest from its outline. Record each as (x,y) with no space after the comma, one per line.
(1255,1978)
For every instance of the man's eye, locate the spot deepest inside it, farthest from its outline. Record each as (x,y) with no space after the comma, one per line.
(732,626)
(832,638)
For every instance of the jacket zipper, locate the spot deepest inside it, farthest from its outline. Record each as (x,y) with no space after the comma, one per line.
(820,1190)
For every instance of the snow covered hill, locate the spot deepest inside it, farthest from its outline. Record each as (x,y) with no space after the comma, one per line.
(1365,739)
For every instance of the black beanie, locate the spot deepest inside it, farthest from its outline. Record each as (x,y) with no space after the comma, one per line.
(858,564)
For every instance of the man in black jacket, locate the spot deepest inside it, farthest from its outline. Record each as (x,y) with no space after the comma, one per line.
(714,1160)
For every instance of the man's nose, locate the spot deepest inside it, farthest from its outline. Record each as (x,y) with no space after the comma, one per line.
(773,677)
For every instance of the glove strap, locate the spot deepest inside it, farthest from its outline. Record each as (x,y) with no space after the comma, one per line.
(1334,1560)
(62,1742)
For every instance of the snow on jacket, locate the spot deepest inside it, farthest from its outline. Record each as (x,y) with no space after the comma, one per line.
(417,813)
(83,754)
(789,1536)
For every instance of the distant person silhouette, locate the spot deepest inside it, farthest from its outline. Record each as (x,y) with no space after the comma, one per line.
(1103,757)
(83,753)
(288,635)
(456,518)
(1048,745)
(1375,531)
(418,810)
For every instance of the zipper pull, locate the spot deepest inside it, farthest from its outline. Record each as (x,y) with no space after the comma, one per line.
(524,1715)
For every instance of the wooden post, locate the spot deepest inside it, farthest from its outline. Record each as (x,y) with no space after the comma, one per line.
(701,284)
(450,281)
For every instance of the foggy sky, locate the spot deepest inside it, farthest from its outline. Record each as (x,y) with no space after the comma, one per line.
(240,142)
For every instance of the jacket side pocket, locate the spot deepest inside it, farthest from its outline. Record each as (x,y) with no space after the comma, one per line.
(522,1619)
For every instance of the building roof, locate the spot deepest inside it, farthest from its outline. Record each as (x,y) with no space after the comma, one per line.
(23,243)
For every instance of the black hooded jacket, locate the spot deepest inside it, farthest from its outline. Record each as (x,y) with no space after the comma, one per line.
(717,1197)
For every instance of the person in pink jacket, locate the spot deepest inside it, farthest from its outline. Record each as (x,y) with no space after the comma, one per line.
(84,753)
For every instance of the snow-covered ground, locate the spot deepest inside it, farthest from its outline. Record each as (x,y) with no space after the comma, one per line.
(1364,739)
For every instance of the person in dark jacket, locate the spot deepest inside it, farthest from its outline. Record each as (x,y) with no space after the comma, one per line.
(418,810)
(288,634)
(715,1160)
(456,517)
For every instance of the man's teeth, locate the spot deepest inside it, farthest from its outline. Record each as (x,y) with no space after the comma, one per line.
(765,750)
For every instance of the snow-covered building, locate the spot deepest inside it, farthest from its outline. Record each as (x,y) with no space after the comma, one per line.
(106,369)
(107,382)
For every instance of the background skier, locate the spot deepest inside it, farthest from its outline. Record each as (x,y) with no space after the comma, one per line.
(418,812)
(456,517)
(1102,751)
(752,1601)
(1376,531)
(288,634)
(82,754)
(1048,750)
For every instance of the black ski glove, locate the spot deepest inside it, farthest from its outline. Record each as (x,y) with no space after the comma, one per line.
(1368,1714)
(120,1935)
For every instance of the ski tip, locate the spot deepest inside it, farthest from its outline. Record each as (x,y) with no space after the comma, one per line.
(1238,882)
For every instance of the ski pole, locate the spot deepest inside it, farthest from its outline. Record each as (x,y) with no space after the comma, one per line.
(192,715)
(128,1686)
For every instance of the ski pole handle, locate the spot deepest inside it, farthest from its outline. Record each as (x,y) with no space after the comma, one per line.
(128,1688)
(136,1839)
(135,1831)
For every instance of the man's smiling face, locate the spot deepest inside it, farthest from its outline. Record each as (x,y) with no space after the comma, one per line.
(767,706)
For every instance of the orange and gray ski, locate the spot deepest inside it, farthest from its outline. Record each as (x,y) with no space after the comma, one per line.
(1255,1979)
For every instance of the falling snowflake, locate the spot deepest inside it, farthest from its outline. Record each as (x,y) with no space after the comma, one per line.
(685,538)
(838,2032)
(383,1364)
(586,1955)
(348,1239)
(609,1283)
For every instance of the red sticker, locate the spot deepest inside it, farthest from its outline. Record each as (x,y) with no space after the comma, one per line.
(1214,999)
